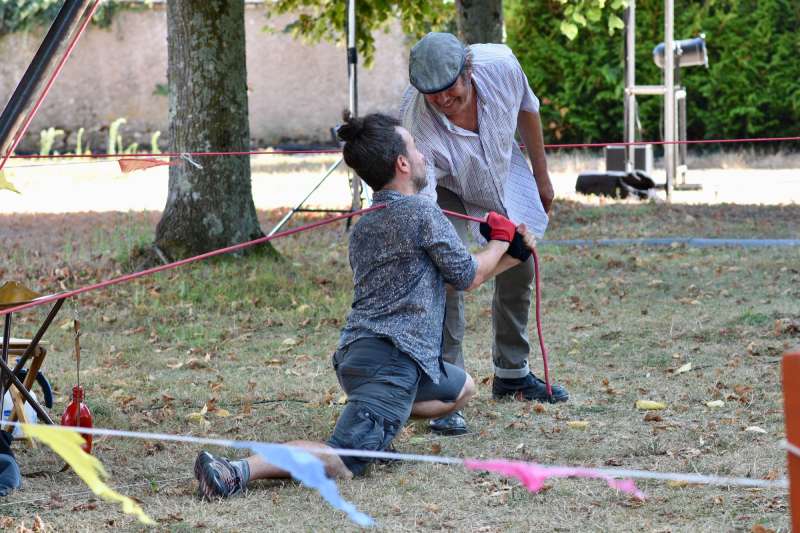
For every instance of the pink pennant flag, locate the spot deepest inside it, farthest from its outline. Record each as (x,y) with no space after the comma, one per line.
(133,164)
(533,476)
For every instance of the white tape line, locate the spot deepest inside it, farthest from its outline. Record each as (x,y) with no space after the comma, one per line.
(791,448)
(613,472)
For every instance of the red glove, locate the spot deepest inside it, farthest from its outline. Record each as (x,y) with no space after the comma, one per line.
(501,229)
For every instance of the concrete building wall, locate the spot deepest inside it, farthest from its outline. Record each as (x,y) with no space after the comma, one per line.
(296,91)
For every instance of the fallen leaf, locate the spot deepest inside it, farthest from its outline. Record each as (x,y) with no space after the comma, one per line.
(758,528)
(194,364)
(578,424)
(676,483)
(649,405)
(652,417)
(436,448)
(222,413)
(715,403)
(684,368)
(194,417)
(755,429)
(289,342)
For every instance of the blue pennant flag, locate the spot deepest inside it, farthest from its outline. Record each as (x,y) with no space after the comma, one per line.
(310,471)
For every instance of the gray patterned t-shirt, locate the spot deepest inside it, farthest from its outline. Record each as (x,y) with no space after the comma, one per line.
(401,257)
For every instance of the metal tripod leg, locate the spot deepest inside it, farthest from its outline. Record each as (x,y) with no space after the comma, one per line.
(291,213)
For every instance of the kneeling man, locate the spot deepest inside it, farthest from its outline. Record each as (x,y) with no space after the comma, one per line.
(389,360)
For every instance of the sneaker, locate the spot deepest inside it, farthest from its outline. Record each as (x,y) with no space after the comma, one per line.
(450,425)
(217,477)
(529,388)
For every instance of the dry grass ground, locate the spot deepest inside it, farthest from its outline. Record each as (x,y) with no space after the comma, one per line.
(617,323)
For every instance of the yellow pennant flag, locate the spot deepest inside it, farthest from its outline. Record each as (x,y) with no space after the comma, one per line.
(5,184)
(67,444)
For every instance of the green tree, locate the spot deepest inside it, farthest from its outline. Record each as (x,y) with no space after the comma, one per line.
(474,20)
(327,19)
(212,206)
(749,89)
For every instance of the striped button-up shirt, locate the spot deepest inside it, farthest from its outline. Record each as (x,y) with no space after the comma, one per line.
(486,170)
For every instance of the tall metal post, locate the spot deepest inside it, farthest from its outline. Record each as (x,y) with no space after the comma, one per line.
(352,57)
(352,75)
(630,83)
(669,95)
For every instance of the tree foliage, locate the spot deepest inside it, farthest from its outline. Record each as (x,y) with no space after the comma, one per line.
(750,88)
(327,19)
(23,15)
(581,13)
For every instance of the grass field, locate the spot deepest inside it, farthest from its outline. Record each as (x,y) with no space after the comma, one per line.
(253,338)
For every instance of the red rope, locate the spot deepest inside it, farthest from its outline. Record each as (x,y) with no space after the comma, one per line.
(337,151)
(53,76)
(236,247)
(538,302)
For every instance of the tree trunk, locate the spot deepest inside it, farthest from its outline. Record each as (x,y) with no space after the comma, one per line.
(209,207)
(480,21)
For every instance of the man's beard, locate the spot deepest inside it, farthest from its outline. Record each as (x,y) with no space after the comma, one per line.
(420,180)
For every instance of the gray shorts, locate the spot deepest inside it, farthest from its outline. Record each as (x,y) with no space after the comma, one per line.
(382,383)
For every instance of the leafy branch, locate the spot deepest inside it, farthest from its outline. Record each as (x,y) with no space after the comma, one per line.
(581,13)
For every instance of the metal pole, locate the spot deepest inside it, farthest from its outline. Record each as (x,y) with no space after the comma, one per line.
(5,383)
(352,57)
(44,62)
(6,343)
(630,83)
(291,213)
(669,95)
(352,77)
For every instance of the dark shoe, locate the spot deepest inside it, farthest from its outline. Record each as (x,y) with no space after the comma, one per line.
(218,478)
(450,425)
(528,388)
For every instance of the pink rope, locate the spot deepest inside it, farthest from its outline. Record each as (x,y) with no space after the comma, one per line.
(129,277)
(337,151)
(56,72)
(236,247)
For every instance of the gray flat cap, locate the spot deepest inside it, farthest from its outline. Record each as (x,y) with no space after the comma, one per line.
(435,62)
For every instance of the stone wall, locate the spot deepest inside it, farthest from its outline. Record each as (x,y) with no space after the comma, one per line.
(296,91)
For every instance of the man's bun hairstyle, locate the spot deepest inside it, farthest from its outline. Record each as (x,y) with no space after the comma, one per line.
(372,145)
(352,127)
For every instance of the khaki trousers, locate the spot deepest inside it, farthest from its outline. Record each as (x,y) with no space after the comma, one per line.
(510,308)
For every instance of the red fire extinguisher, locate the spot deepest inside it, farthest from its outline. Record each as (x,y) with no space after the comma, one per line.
(77,413)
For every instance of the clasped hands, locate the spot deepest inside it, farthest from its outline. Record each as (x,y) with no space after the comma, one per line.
(499,228)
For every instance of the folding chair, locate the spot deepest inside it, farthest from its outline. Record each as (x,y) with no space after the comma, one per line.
(13,294)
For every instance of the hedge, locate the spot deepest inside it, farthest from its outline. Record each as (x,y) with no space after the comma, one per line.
(751,88)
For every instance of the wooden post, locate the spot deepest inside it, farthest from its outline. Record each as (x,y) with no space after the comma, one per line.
(791,407)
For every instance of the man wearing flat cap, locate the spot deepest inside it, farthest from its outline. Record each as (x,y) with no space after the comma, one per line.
(463,108)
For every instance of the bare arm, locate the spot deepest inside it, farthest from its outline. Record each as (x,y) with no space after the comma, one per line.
(488,260)
(530,129)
